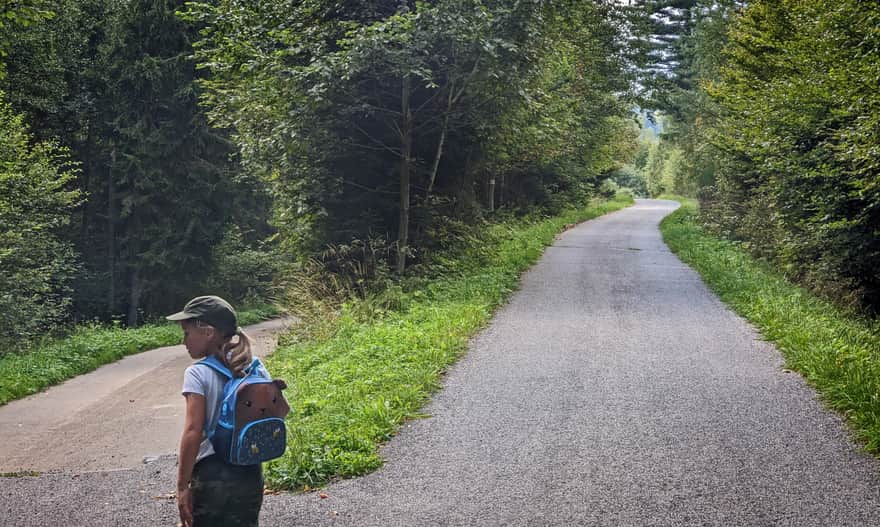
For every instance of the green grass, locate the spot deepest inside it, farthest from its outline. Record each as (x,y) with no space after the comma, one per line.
(20,474)
(86,348)
(351,390)
(837,351)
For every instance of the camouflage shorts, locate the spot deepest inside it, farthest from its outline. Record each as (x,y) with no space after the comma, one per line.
(226,495)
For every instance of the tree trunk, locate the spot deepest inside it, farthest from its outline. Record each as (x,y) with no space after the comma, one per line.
(111,237)
(491,193)
(134,303)
(406,131)
(437,155)
(88,167)
(436,165)
(501,191)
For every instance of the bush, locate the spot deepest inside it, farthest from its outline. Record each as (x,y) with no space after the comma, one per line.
(631,178)
(36,265)
(624,194)
(316,289)
(608,189)
(241,273)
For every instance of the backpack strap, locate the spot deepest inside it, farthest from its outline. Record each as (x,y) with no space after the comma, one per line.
(254,367)
(215,364)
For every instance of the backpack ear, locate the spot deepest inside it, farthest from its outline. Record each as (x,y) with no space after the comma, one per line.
(282,408)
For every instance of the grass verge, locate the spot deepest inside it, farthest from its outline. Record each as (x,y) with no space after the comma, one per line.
(86,348)
(353,387)
(837,351)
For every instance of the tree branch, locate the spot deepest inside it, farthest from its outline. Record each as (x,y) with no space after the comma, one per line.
(378,142)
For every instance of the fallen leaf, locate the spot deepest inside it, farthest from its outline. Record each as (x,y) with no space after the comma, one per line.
(169,496)
(323,496)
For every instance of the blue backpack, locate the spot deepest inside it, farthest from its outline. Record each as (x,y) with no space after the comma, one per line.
(250,429)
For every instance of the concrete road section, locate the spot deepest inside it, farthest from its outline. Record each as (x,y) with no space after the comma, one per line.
(613,390)
(111,418)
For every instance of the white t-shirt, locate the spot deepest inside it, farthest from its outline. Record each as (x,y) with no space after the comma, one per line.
(204,380)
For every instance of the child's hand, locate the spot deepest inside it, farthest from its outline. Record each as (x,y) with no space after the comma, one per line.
(185,507)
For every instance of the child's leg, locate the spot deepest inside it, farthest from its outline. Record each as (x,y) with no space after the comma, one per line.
(226,495)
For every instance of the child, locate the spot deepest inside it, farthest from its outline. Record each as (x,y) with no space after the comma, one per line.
(211,492)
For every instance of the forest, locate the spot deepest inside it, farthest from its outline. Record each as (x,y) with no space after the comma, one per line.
(772,111)
(151,150)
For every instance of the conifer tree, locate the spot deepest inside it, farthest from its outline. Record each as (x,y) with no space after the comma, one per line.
(168,177)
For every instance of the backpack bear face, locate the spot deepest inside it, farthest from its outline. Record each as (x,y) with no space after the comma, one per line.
(259,401)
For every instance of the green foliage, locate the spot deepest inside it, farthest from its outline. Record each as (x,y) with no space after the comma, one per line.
(113,82)
(672,175)
(573,127)
(53,360)
(315,290)
(687,37)
(375,365)
(771,118)
(168,170)
(240,271)
(608,189)
(15,15)
(654,168)
(49,77)
(36,264)
(834,349)
(631,178)
(798,117)
(391,122)
(358,115)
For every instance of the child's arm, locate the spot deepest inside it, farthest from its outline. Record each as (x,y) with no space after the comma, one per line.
(193,426)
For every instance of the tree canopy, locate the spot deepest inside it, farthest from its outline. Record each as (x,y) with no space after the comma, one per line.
(776,111)
(370,120)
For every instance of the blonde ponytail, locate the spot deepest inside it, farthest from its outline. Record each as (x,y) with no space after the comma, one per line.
(238,355)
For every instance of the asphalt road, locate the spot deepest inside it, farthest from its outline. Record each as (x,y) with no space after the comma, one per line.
(613,390)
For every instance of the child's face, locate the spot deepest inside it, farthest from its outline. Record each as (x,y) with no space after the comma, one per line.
(198,339)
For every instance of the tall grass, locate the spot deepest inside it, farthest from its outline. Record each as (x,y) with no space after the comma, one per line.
(376,366)
(87,347)
(837,351)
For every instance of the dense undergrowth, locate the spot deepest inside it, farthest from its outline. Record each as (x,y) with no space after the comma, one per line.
(374,364)
(87,347)
(833,348)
